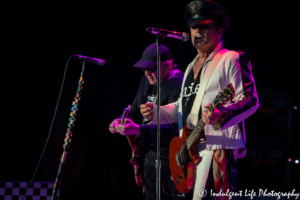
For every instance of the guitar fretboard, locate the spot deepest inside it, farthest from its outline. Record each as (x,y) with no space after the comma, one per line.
(126,110)
(196,131)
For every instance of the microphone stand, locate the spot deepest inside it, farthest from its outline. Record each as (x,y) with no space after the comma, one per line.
(68,134)
(161,34)
(158,161)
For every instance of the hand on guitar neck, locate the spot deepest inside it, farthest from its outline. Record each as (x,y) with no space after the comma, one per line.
(124,126)
(129,128)
(113,125)
(212,117)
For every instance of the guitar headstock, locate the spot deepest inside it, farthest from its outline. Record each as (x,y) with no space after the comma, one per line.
(224,96)
(124,115)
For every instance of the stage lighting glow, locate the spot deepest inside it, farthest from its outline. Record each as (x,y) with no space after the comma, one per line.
(296,161)
(289,160)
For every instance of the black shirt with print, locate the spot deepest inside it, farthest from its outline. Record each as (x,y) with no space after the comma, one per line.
(191,87)
(151,96)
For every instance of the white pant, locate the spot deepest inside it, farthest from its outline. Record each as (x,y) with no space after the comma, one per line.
(201,170)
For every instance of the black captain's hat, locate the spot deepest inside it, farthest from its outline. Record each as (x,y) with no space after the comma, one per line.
(205,11)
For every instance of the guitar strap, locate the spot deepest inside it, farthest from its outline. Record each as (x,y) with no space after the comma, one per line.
(192,119)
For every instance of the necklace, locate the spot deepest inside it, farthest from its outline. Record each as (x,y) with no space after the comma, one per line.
(196,74)
(195,67)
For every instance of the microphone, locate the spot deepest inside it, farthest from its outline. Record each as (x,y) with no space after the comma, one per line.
(91,60)
(172,34)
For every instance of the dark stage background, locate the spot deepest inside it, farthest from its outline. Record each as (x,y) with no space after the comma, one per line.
(39,38)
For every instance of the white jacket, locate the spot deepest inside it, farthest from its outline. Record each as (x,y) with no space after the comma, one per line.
(233,68)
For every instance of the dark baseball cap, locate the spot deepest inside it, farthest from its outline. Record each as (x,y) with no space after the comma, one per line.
(149,57)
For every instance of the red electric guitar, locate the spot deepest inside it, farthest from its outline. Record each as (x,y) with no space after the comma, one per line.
(182,153)
(136,151)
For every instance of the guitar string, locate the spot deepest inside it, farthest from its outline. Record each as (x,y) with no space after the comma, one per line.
(197,130)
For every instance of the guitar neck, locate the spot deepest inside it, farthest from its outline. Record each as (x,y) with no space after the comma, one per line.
(125,113)
(123,121)
(197,130)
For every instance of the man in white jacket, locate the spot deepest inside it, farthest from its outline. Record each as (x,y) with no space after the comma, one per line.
(223,139)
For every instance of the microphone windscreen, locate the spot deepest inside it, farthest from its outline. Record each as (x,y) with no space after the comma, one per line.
(185,36)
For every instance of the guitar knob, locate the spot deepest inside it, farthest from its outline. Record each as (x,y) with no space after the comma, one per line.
(177,181)
(179,176)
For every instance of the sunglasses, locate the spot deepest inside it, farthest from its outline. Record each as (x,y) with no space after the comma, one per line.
(202,26)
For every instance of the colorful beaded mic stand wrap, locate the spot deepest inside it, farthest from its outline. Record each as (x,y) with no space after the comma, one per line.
(67,140)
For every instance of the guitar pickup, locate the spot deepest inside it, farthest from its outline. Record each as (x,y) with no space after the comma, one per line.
(179,159)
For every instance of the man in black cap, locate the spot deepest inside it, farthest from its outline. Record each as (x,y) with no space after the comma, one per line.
(223,139)
(136,124)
